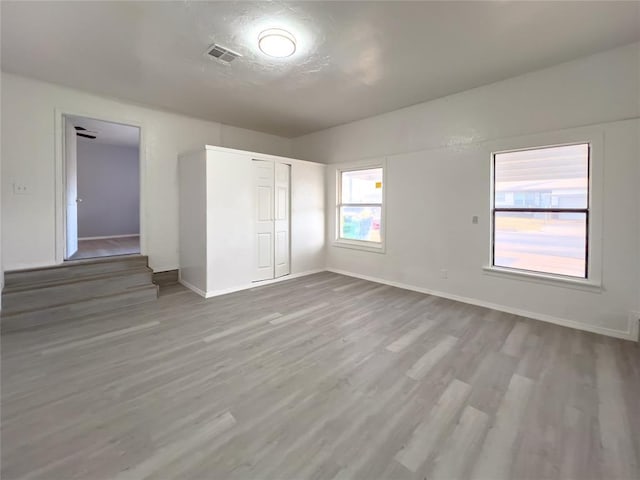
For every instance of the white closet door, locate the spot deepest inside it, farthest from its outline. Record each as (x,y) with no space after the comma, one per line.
(282,207)
(264,232)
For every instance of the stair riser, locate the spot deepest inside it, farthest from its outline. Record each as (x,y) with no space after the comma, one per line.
(77,310)
(71,292)
(70,272)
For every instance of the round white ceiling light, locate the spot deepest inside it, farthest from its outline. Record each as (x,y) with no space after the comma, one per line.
(276,42)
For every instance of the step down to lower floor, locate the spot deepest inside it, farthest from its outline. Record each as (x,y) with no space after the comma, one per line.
(75,289)
(79,309)
(72,271)
(54,294)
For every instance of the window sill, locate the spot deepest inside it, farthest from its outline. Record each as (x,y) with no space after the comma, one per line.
(545,279)
(356,245)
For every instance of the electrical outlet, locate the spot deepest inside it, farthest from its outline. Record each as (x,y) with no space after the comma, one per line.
(444,273)
(474,219)
(20,189)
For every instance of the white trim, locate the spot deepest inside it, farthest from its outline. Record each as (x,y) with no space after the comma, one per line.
(110,236)
(225,291)
(626,335)
(59,186)
(634,326)
(191,287)
(255,155)
(356,245)
(549,279)
(286,277)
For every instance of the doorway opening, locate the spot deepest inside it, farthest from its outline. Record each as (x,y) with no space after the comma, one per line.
(102,188)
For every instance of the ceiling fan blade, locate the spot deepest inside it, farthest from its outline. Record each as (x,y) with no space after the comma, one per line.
(86,136)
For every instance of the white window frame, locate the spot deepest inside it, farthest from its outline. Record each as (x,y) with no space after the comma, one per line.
(377,247)
(594,138)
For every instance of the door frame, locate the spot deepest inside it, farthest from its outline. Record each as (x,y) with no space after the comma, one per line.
(60,174)
(288,218)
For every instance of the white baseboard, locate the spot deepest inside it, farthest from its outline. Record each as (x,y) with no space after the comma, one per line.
(193,288)
(225,291)
(630,334)
(291,276)
(109,236)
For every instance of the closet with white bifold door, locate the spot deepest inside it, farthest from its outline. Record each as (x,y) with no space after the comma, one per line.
(272,207)
(246,218)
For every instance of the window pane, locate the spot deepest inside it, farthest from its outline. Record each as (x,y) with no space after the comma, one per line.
(362,186)
(555,177)
(360,223)
(542,242)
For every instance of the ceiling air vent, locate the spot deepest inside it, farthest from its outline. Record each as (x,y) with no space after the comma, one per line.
(222,53)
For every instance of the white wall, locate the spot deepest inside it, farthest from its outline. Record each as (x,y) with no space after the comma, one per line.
(1,189)
(29,138)
(192,174)
(109,186)
(438,156)
(596,89)
(230,221)
(308,207)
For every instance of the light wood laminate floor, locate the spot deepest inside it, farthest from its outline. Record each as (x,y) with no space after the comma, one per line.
(323,377)
(107,247)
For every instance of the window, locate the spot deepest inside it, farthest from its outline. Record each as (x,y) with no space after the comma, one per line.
(541,210)
(360,212)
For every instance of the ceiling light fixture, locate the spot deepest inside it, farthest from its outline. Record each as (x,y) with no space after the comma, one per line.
(276,42)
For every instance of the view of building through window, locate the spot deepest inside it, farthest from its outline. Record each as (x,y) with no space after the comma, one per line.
(541,209)
(360,205)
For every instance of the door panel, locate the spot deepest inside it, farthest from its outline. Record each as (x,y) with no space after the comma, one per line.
(281,223)
(265,248)
(282,241)
(264,204)
(281,204)
(264,226)
(71,188)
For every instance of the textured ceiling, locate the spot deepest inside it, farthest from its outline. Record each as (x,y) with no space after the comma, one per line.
(354,59)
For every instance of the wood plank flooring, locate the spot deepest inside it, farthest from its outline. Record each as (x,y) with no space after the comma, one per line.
(322,377)
(107,247)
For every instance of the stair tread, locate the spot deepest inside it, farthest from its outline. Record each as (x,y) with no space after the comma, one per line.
(75,289)
(84,261)
(126,291)
(55,282)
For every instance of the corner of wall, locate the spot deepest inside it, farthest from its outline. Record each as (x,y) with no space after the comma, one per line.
(634,326)
(253,141)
